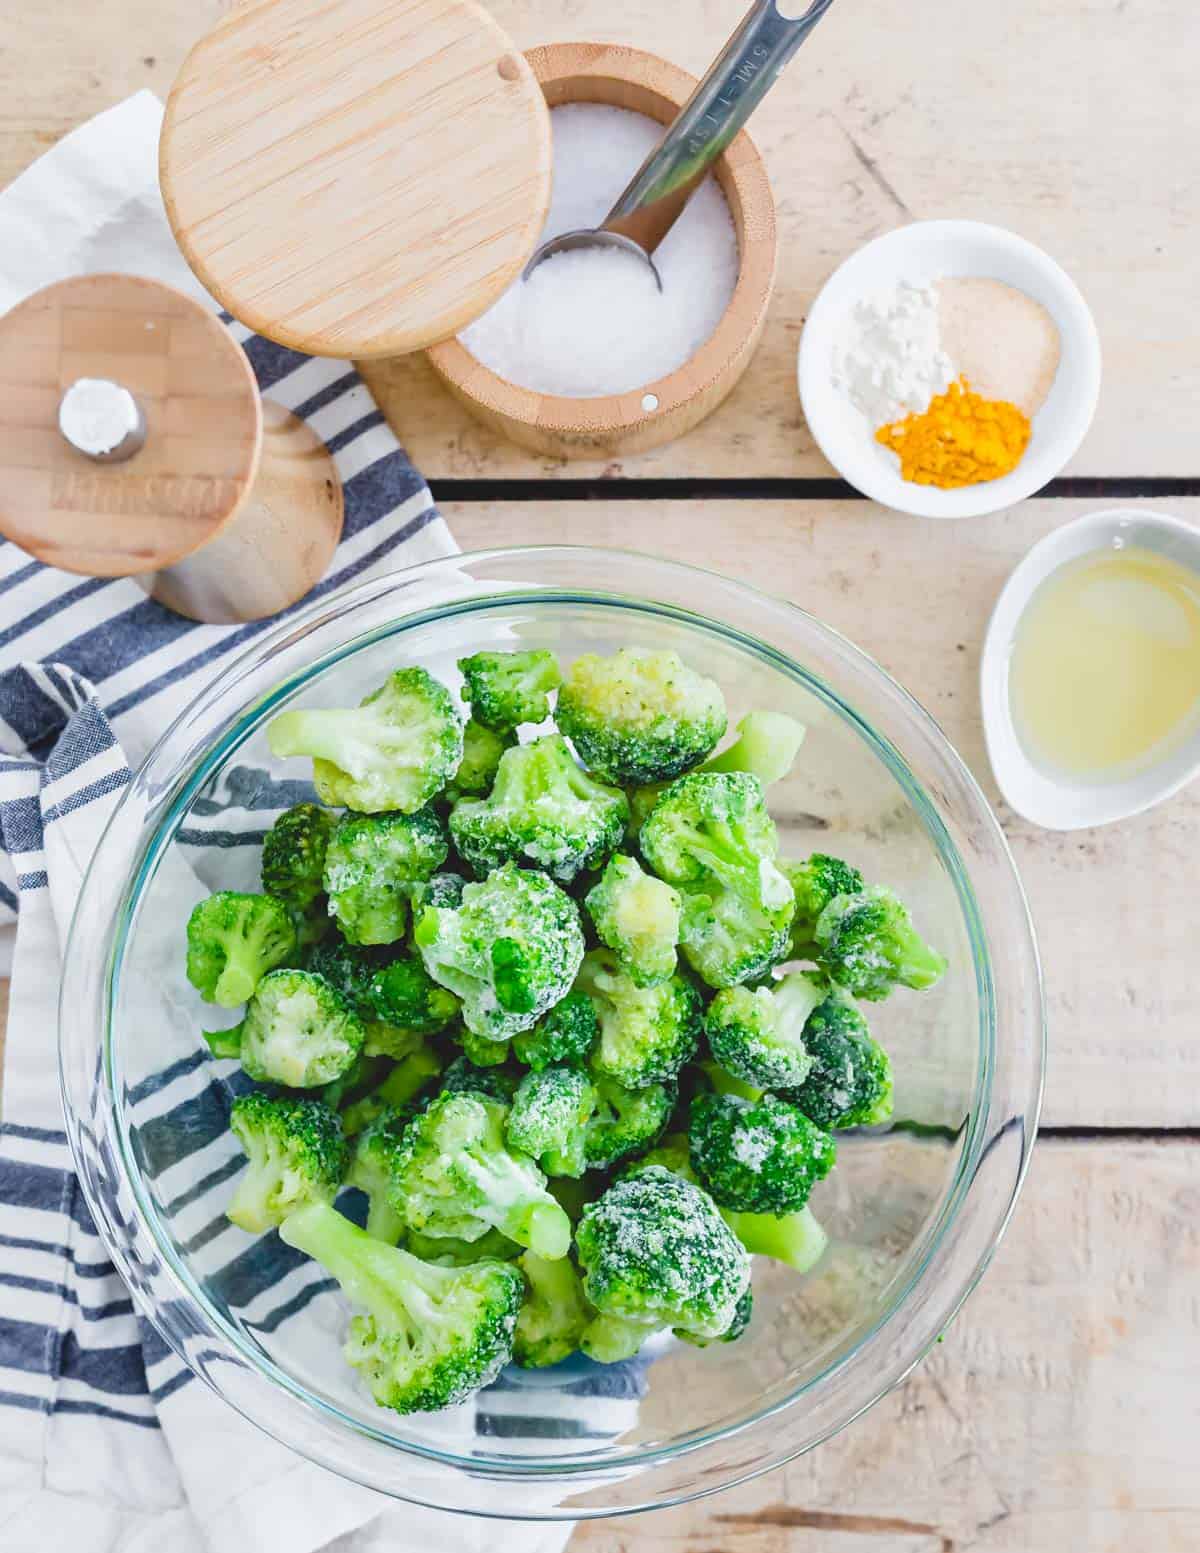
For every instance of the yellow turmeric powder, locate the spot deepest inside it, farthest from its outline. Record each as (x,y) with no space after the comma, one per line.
(961,439)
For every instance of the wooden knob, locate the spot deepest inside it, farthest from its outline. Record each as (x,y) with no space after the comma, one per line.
(132,445)
(359,179)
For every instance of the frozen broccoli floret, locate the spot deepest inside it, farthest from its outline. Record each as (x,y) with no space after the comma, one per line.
(404,994)
(480,1050)
(759,1035)
(565,1035)
(741,1320)
(372,1164)
(814,883)
(543,809)
(639,716)
(296,1155)
(297,1031)
(548,1119)
(766,746)
(458,1177)
(403,1084)
(553,1314)
(233,940)
(655,1253)
(637,916)
(372,863)
(849,1082)
(506,689)
(293,863)
(350,969)
(395,750)
(443,889)
(625,1121)
(757,1156)
(866,943)
(646,1033)
(465,1077)
(711,836)
(641,801)
(508,953)
(482,749)
(431,1335)
(794,1238)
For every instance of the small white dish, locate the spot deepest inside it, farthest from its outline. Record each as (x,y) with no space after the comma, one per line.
(1053,800)
(922,253)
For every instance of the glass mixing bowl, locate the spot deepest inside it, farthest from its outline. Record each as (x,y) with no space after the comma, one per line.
(914,1210)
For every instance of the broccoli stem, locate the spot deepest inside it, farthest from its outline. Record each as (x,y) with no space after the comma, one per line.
(235,984)
(225,1043)
(794,1238)
(921,966)
(609,1339)
(405,1080)
(766,746)
(549,1231)
(373,1274)
(383,1222)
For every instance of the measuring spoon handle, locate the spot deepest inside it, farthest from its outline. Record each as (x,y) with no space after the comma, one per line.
(736,83)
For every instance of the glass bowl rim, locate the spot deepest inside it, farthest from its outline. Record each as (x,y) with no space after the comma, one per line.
(185,785)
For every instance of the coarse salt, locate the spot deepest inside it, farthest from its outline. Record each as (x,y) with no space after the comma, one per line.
(889,359)
(591,321)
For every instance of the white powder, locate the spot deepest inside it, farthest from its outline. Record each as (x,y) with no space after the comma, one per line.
(591,322)
(889,358)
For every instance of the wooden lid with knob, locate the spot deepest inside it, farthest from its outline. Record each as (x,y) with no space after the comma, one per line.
(223,508)
(359,179)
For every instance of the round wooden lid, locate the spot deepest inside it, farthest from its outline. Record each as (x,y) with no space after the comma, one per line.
(359,179)
(197,394)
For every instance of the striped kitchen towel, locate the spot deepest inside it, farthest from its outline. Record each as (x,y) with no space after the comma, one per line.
(106,1439)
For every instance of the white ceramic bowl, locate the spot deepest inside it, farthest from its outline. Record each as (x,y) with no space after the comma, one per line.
(1053,800)
(922,253)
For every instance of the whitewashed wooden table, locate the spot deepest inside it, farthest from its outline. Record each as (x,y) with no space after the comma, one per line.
(1061,1413)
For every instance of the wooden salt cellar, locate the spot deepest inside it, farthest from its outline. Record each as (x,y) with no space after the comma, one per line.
(231,508)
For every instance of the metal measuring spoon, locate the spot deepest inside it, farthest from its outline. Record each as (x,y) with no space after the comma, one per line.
(735,84)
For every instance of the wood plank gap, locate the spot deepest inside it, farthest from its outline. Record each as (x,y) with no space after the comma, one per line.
(604,488)
(1079,1134)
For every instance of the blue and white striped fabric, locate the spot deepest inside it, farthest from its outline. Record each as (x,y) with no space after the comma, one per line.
(105,1438)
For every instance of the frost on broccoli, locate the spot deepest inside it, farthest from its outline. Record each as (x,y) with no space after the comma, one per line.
(639,716)
(766,746)
(625,1121)
(796,1239)
(655,1253)
(372,863)
(553,1315)
(372,1165)
(297,1031)
(646,1033)
(814,884)
(293,866)
(458,1177)
(741,1320)
(565,1035)
(637,916)
(549,1117)
(711,836)
(233,940)
(508,953)
(757,1156)
(505,689)
(296,1155)
(849,1082)
(867,944)
(759,1035)
(395,750)
(482,749)
(431,1335)
(543,809)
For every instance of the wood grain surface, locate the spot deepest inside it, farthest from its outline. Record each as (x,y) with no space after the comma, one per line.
(356,179)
